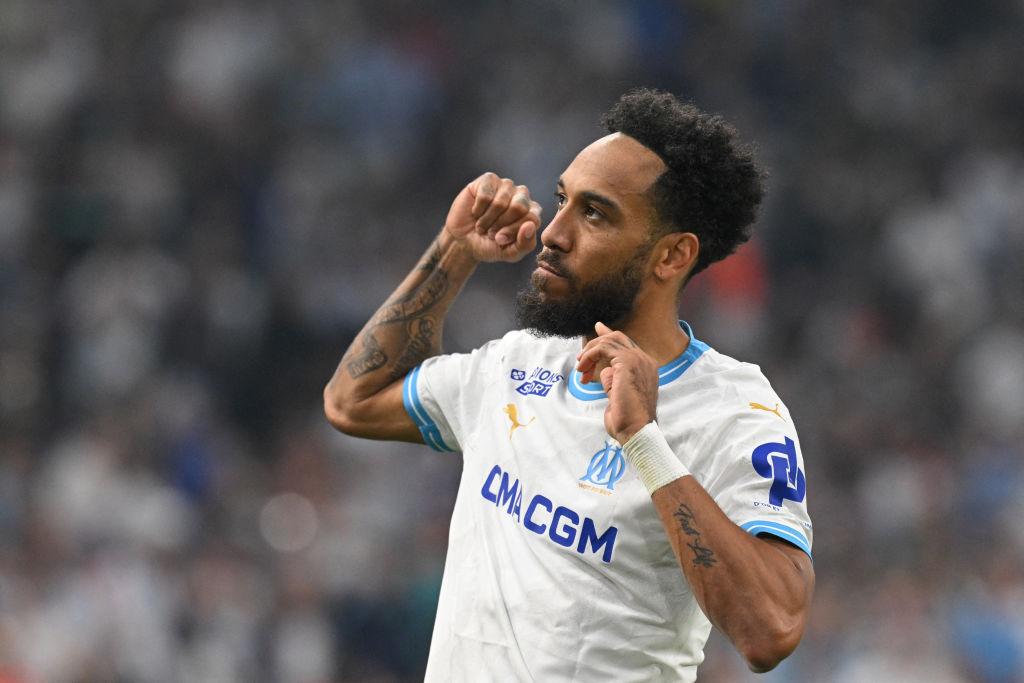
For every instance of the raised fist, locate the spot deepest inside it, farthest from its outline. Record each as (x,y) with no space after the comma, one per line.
(495,219)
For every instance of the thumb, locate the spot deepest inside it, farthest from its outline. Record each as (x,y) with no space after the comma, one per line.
(602,329)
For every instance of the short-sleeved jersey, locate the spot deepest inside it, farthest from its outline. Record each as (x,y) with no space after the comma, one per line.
(558,566)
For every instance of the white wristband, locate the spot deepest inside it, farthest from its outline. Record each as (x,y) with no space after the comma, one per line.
(650,454)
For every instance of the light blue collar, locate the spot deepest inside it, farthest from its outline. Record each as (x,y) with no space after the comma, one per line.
(671,370)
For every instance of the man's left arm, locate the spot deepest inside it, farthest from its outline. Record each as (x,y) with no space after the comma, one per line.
(757,591)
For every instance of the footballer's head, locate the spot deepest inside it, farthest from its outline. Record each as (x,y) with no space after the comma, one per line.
(669,191)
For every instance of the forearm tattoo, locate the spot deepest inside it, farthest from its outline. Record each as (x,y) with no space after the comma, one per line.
(418,346)
(414,303)
(702,556)
(409,308)
(432,258)
(369,358)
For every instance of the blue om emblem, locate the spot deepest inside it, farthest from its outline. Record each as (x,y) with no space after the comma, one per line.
(606,467)
(788,481)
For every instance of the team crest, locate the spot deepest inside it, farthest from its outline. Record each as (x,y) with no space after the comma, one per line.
(605,469)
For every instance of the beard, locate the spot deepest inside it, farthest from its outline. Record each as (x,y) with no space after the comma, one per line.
(609,299)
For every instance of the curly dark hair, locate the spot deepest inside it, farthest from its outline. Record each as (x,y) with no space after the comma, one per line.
(712,186)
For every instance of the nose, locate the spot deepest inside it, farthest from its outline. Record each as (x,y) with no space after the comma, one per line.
(558,233)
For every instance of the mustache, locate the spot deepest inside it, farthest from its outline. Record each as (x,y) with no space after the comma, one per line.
(552,260)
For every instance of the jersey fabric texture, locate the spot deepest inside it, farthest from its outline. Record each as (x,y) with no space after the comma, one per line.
(558,566)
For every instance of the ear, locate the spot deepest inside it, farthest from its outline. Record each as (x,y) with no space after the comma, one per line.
(677,255)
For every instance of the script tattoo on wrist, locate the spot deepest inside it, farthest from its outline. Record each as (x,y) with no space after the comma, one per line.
(702,556)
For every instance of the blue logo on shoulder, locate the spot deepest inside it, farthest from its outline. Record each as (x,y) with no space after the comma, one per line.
(518,375)
(606,467)
(788,480)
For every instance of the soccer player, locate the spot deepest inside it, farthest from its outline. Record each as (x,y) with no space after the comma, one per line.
(623,483)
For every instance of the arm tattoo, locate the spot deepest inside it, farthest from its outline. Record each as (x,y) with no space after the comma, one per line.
(369,359)
(416,302)
(702,556)
(432,259)
(418,346)
(410,308)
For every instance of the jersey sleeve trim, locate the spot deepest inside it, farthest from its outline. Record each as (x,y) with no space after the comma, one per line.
(781,531)
(414,406)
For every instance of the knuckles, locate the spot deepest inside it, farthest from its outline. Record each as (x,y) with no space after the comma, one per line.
(486,185)
(490,186)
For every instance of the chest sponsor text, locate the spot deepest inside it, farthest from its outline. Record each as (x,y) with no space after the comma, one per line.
(559,524)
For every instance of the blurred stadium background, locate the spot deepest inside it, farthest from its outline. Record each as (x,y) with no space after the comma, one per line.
(202,201)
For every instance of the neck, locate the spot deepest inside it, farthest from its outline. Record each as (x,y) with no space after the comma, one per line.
(655,329)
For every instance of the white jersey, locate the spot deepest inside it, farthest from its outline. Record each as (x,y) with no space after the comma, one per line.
(558,566)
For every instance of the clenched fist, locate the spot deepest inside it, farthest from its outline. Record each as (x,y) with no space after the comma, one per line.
(495,219)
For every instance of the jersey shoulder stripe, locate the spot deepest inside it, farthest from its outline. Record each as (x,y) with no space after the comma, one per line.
(414,406)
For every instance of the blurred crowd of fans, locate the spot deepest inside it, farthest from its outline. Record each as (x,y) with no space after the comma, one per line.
(202,202)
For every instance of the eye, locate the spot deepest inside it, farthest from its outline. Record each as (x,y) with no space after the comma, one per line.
(592,214)
(560,199)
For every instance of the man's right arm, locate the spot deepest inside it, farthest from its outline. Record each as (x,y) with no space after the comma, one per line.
(490,220)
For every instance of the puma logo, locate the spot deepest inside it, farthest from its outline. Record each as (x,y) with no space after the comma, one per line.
(510,410)
(758,406)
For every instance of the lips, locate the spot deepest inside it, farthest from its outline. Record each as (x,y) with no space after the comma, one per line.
(549,267)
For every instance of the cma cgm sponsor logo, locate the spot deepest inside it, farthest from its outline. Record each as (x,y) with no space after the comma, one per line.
(559,524)
(777,461)
(606,467)
(538,383)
